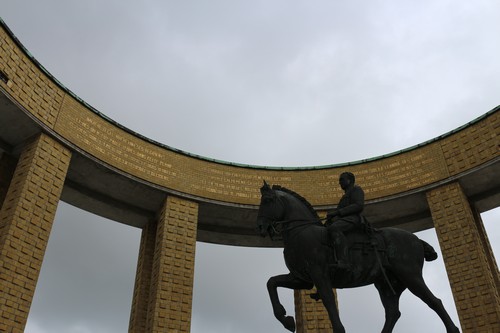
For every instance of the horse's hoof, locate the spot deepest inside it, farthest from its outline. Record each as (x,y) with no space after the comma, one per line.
(289,323)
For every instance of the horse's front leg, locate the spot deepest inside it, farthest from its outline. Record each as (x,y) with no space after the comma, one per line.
(323,285)
(285,281)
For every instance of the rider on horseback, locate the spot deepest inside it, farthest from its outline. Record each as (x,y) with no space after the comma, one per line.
(345,217)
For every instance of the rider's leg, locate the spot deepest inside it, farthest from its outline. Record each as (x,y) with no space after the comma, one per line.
(339,242)
(336,235)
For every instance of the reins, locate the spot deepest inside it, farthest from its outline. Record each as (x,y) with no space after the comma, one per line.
(306,223)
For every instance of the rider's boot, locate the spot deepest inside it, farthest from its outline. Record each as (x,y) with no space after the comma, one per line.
(340,251)
(341,260)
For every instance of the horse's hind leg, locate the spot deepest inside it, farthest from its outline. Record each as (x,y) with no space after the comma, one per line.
(390,300)
(418,287)
(285,281)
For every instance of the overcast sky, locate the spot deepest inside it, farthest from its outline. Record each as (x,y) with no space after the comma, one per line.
(275,83)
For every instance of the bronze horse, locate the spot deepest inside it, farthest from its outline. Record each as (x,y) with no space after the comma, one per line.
(393,261)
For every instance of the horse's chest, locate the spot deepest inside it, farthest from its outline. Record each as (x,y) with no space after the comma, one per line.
(297,263)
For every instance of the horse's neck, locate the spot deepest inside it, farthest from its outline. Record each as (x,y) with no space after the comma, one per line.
(297,211)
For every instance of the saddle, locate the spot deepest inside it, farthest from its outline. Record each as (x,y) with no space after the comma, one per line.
(361,241)
(366,244)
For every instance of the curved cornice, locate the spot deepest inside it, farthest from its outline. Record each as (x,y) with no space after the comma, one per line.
(115,170)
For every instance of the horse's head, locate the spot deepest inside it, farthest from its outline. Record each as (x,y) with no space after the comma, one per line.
(271,209)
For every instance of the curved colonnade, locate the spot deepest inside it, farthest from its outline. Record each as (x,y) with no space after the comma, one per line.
(56,147)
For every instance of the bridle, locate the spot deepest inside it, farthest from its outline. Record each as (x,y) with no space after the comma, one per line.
(278,227)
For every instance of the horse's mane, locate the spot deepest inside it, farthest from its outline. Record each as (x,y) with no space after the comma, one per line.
(297,196)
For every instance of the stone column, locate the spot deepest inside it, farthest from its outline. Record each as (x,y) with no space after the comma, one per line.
(26,219)
(468,258)
(139,313)
(310,315)
(165,271)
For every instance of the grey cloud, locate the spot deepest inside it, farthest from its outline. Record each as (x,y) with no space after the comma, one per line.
(228,80)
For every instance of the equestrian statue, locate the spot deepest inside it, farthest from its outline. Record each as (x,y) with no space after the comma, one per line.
(344,252)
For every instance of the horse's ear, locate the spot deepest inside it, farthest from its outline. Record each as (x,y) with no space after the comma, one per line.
(265,187)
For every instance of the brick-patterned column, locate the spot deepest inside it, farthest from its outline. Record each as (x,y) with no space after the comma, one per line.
(310,315)
(487,248)
(467,259)
(26,220)
(140,301)
(165,273)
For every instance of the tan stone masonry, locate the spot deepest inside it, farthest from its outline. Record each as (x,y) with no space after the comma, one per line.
(26,220)
(467,254)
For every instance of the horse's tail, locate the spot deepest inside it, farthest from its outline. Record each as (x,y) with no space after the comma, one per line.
(429,253)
